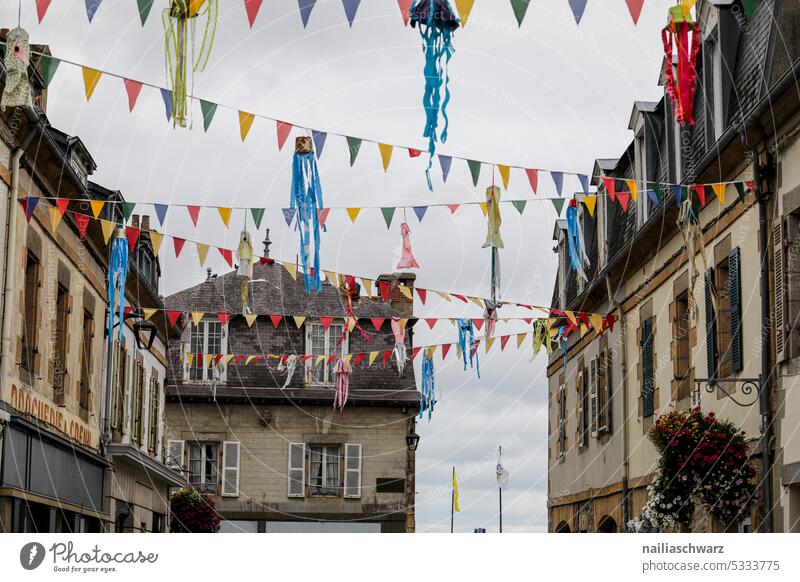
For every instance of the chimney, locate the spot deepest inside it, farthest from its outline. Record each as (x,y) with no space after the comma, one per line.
(396,297)
(145,222)
(135,221)
(208,274)
(267,243)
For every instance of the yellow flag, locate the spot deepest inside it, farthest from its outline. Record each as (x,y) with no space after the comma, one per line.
(351,323)
(202,252)
(590,202)
(90,79)
(386,155)
(225,215)
(227,359)
(632,187)
(505,174)
(367,285)
(353,214)
(719,191)
(108,229)
(347,358)
(245,121)
(332,279)
(520,339)
(443,295)
(197,317)
(489,343)
(597,321)
(97,207)
(455,491)
(55,218)
(148,313)
(292,269)
(250,318)
(687,6)
(464,7)
(484,208)
(571,316)
(248,360)
(476,301)
(209,357)
(406,291)
(320,359)
(156,238)
(372,356)
(298,320)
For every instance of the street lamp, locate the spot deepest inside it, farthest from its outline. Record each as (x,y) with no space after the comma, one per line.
(412,440)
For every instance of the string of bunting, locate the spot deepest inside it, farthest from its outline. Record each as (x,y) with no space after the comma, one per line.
(57,211)
(305,7)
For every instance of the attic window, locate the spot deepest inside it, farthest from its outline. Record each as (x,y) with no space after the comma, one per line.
(79,167)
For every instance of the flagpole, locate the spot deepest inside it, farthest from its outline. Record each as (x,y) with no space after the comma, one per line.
(500,491)
(452,499)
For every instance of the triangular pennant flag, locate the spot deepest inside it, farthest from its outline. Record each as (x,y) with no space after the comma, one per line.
(445,162)
(444,295)
(47,67)
(319,138)
(584,180)
(464,8)
(749,7)
(367,283)
(41,8)
(62,204)
(276,320)
(156,238)
(388,214)
(353,145)
(288,215)
(503,341)
(474,170)
(519,205)
(178,243)
(250,318)
(420,212)
(28,206)
(245,123)
(108,229)
(653,198)
(350,9)
(386,155)
(520,8)
(306,6)
(55,218)
(414,153)
(597,322)
(489,343)
(533,178)
(577,6)
(520,339)
(144,9)
(633,190)
(558,203)
(657,191)
(405,10)
(172,316)
(251,7)
(590,202)
(635,8)
(558,180)
(478,323)
(258,215)
(484,208)
(91,8)
(298,320)
(431,321)
(161,212)
(283,130)
(505,174)
(331,277)
(383,289)
(133,237)
(326,322)
(719,192)
(227,255)
(223,317)
(476,301)
(700,191)
(423,294)
(406,291)
(127,210)
(445,349)
(291,268)
(194,213)
(166,95)
(677,192)
(452,207)
(202,252)
(353,214)
(377,322)
(611,188)
(740,192)
(208,110)
(225,215)
(372,356)
(90,79)
(624,198)
(387,356)
(148,312)
(197,317)
(322,216)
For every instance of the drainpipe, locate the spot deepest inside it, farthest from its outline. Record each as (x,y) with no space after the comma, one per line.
(11,254)
(766,370)
(624,368)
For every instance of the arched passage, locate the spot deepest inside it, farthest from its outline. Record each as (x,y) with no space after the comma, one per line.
(607,525)
(563,527)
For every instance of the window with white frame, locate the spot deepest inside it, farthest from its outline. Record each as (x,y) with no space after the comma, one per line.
(642,206)
(323,473)
(322,342)
(324,470)
(208,338)
(677,146)
(712,65)
(204,466)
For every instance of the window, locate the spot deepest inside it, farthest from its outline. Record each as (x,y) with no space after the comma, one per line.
(203,464)
(712,66)
(155,412)
(30,329)
(682,362)
(648,362)
(119,383)
(561,420)
(642,205)
(724,313)
(322,342)
(678,151)
(580,407)
(60,353)
(145,262)
(85,395)
(138,401)
(159,523)
(208,338)
(603,364)
(323,474)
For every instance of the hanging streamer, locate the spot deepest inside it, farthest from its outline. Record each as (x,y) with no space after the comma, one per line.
(399,333)
(436,21)
(407,260)
(17,92)
(117,274)
(289,363)
(577,249)
(244,254)
(307,200)
(467,344)
(689,225)
(427,388)
(342,371)
(682,34)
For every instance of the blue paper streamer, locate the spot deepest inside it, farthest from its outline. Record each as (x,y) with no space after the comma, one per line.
(307,200)
(117,274)
(427,387)
(466,341)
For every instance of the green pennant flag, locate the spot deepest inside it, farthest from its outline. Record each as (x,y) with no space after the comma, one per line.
(144,9)
(475,170)
(48,67)
(657,190)
(127,210)
(520,205)
(749,8)
(559,204)
(520,8)
(258,214)
(740,191)
(388,214)
(209,109)
(353,144)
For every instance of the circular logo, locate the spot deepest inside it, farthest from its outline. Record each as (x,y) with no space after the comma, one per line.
(31,555)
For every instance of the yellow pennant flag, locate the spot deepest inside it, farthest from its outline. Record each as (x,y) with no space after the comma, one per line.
(347,358)
(386,155)
(353,214)
(590,202)
(351,323)
(476,301)
(189,358)
(406,291)
(156,238)
(367,283)
(250,318)
(455,491)
(719,191)
(489,343)
(292,269)
(320,359)
(108,229)
(202,252)
(443,295)
(687,6)
(97,207)
(225,215)
(372,356)
(571,316)
(632,187)
(484,208)
(148,312)
(55,218)
(520,339)
(90,79)
(597,321)
(197,317)
(298,320)
(464,7)
(209,358)
(248,360)
(227,359)
(332,278)
(245,122)
(505,174)
(584,329)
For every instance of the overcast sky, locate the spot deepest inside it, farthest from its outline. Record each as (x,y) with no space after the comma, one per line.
(549,95)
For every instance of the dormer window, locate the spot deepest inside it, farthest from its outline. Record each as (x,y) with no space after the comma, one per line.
(712,84)
(643,205)
(80,169)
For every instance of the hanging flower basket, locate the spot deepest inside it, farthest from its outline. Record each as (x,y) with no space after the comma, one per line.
(193,512)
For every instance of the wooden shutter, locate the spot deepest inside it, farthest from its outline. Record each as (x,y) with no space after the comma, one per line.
(647,368)
(562,429)
(780,291)
(352,470)
(604,392)
(594,404)
(711,326)
(174,458)
(580,432)
(297,469)
(230,468)
(735,294)
(729,34)
(559,450)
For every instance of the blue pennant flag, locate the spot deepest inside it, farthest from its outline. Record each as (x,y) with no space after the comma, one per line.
(319,138)
(558,180)
(445,162)
(584,183)
(91,8)
(288,214)
(306,6)
(161,212)
(653,198)
(577,6)
(420,212)
(166,94)
(677,191)
(350,9)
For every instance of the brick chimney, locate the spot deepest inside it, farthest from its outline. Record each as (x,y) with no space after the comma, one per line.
(135,221)
(396,297)
(145,222)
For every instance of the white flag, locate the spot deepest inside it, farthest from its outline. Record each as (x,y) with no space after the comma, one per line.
(502,474)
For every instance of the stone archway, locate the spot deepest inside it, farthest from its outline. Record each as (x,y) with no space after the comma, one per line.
(563,527)
(607,524)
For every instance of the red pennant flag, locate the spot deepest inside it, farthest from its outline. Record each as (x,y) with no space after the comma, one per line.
(478,323)
(557,312)
(503,341)
(412,153)
(431,321)
(624,198)
(306,358)
(405,10)
(199,360)
(464,299)
(238,360)
(377,322)
(252,7)
(527,320)
(445,349)
(332,357)
(172,316)
(383,287)
(322,215)
(357,359)
(82,221)
(326,322)
(132,88)
(533,178)
(194,213)
(284,129)
(133,236)
(700,190)
(635,8)
(29,205)
(750,185)
(610,187)
(386,355)
(453,207)
(41,8)
(414,352)
(62,204)
(422,294)
(276,319)
(227,254)
(223,317)
(218,358)
(178,243)
(127,311)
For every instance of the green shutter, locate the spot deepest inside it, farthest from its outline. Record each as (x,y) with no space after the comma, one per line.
(735,294)
(711,327)
(647,368)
